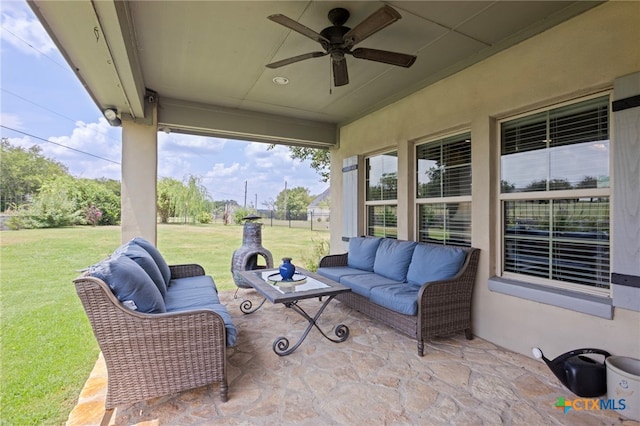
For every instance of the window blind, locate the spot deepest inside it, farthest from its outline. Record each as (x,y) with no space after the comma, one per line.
(445,223)
(444,167)
(563,240)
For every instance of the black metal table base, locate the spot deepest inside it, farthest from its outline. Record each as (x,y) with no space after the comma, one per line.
(281,344)
(247,306)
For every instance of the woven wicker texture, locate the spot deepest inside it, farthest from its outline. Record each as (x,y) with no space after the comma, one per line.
(151,355)
(444,307)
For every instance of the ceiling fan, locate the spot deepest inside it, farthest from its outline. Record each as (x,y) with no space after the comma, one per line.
(338,41)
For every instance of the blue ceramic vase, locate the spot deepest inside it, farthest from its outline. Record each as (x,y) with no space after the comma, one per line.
(287,269)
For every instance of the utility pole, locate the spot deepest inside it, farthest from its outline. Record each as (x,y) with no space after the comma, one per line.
(245,194)
(256,204)
(285,199)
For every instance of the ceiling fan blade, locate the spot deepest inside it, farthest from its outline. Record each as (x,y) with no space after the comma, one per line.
(340,74)
(392,58)
(378,20)
(293,59)
(297,27)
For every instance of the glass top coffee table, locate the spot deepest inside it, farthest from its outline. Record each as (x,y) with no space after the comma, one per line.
(305,285)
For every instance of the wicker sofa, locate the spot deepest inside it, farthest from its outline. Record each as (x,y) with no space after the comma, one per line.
(161,328)
(421,289)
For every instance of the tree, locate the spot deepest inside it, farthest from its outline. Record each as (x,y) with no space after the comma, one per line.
(320,159)
(102,194)
(294,200)
(53,207)
(23,171)
(188,200)
(195,199)
(168,190)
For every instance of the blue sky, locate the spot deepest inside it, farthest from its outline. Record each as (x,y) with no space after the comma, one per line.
(42,102)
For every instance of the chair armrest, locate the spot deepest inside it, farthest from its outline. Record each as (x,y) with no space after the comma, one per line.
(187,270)
(150,355)
(333,260)
(135,340)
(458,289)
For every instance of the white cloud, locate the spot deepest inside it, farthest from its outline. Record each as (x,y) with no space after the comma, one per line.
(91,151)
(23,31)
(187,145)
(219,170)
(274,159)
(94,138)
(173,167)
(11,120)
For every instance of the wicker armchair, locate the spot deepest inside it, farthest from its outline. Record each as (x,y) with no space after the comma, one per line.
(444,307)
(150,355)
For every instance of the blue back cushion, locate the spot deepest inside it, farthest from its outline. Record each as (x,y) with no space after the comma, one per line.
(155,254)
(362,252)
(393,258)
(433,263)
(146,262)
(130,283)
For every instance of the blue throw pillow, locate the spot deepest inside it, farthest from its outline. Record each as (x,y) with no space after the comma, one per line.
(393,258)
(146,262)
(130,283)
(434,263)
(362,252)
(155,254)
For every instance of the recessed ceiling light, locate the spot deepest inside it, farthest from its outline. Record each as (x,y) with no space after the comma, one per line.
(281,80)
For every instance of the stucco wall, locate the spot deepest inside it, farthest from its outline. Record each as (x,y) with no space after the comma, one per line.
(582,56)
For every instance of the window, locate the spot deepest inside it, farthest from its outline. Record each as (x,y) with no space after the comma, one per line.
(443,190)
(382,194)
(555,195)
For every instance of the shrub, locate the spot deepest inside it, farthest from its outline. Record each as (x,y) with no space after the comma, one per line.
(238,214)
(203,217)
(320,249)
(50,209)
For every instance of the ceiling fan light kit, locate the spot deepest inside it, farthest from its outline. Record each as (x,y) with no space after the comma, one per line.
(338,41)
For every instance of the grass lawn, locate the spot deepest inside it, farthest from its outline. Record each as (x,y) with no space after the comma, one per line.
(47,347)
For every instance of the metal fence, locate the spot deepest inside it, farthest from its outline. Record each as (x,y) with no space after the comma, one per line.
(310,220)
(12,201)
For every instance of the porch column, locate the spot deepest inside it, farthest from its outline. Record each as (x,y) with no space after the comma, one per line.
(139,176)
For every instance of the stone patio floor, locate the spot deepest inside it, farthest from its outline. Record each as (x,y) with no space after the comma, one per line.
(375,377)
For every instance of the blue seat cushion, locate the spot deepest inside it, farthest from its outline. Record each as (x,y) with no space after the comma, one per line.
(155,254)
(146,262)
(191,304)
(434,263)
(335,273)
(130,284)
(199,292)
(191,291)
(187,283)
(401,298)
(362,252)
(393,258)
(362,284)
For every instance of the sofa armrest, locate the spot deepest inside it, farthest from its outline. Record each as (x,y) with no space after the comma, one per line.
(149,355)
(333,260)
(448,302)
(187,270)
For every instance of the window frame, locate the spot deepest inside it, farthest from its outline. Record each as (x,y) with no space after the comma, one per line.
(442,200)
(551,194)
(393,203)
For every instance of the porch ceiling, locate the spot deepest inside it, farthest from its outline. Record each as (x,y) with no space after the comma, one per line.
(205,60)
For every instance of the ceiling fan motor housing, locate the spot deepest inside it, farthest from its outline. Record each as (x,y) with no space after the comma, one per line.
(335,35)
